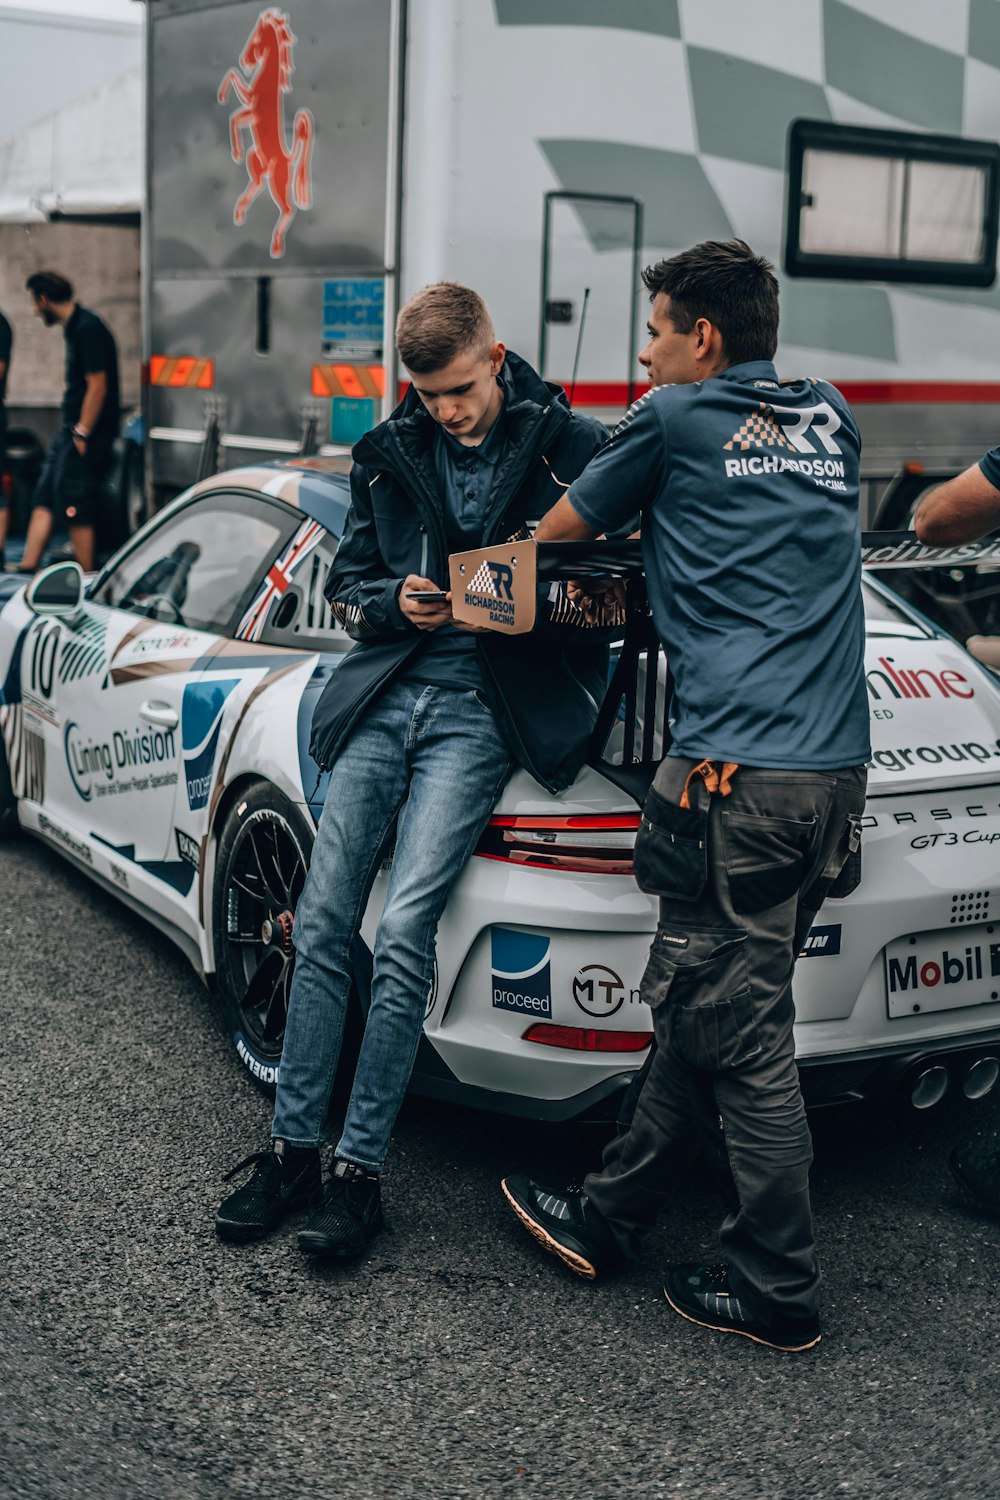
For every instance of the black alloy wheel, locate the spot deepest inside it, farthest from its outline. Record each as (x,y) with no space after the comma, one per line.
(261,867)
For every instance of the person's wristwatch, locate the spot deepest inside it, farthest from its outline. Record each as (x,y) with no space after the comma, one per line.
(81,433)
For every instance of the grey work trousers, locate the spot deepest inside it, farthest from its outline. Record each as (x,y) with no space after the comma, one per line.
(723,1079)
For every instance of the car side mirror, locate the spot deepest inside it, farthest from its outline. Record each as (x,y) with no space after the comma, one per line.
(56,592)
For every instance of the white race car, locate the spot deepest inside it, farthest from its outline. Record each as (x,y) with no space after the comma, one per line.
(155,728)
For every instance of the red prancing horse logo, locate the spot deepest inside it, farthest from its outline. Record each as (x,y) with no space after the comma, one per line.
(267,68)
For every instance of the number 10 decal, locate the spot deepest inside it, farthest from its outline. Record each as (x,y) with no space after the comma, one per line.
(42,658)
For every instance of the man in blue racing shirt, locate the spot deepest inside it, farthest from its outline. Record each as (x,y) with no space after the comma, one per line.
(749,493)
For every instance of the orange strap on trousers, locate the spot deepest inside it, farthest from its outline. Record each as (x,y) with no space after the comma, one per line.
(714,779)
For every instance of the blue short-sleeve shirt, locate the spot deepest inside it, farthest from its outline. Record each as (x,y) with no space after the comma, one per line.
(990,465)
(748,490)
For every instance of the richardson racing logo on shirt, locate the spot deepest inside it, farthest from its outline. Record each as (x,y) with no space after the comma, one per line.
(789,432)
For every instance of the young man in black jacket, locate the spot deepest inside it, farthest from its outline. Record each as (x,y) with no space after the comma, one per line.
(421,726)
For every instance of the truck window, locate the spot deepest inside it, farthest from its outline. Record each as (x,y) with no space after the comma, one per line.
(891,205)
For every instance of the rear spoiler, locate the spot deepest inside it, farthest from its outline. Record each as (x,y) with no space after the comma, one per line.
(496,587)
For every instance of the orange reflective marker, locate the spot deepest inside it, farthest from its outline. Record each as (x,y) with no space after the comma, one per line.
(354,381)
(182,372)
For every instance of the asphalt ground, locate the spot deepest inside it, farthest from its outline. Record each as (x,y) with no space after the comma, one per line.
(142,1358)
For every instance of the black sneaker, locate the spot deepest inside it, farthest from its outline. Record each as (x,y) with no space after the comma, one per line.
(975,1165)
(564,1224)
(348,1216)
(285,1180)
(702,1294)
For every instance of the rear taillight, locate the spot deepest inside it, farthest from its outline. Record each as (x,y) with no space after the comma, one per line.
(584,1039)
(599,842)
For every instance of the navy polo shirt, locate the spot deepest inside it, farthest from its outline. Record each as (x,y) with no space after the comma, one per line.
(749,494)
(465,480)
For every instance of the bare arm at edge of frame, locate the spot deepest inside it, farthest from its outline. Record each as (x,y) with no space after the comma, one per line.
(960,510)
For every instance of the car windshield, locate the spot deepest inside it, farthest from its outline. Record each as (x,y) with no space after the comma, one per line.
(196,566)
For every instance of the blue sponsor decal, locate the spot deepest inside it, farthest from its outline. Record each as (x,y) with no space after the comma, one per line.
(176,873)
(201,722)
(822,942)
(522,979)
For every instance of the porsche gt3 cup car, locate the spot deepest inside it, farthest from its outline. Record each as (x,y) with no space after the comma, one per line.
(155,732)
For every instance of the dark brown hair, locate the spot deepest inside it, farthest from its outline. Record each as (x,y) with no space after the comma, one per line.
(727,283)
(50,284)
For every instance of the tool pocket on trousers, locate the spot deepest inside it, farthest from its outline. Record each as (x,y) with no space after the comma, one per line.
(671,849)
(842,872)
(765,858)
(709,1019)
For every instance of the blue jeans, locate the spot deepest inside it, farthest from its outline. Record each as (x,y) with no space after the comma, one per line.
(432,760)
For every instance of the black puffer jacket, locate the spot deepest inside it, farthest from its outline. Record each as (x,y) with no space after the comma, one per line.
(544,688)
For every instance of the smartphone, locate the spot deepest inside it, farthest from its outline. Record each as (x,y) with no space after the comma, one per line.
(428,596)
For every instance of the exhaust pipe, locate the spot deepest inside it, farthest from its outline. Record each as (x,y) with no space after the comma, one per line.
(929,1086)
(980,1076)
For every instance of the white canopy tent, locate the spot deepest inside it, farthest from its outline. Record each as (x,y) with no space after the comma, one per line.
(85,158)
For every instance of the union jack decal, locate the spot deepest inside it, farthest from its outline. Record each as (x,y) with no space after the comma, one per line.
(277,580)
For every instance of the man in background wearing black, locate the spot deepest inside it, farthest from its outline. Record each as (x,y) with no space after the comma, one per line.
(79,456)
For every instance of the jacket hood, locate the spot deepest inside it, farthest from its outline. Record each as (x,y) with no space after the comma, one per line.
(526,392)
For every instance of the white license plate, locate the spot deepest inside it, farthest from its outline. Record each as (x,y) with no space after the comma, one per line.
(943,970)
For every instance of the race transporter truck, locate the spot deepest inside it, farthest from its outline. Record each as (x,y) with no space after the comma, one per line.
(312,164)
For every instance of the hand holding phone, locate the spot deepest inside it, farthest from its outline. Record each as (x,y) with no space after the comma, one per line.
(423,603)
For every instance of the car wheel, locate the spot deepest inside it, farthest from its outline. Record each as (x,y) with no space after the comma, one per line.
(261,867)
(263,855)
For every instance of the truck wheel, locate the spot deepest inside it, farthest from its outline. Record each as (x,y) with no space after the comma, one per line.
(263,856)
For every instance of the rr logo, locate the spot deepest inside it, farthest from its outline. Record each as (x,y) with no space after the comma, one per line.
(266,73)
(821,418)
(503,579)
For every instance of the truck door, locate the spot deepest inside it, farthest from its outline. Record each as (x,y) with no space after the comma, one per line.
(591,246)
